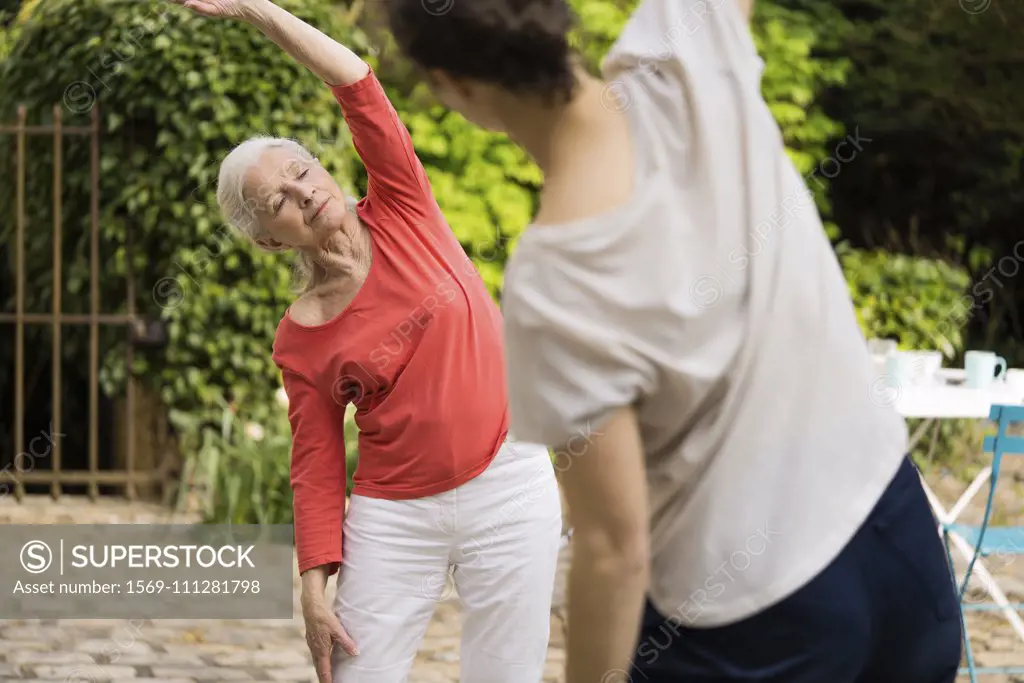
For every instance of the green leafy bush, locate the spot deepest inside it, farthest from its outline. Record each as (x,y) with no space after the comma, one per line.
(237,470)
(175,93)
(233,475)
(919,302)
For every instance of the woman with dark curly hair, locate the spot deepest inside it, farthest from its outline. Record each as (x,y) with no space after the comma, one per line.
(677,302)
(395,320)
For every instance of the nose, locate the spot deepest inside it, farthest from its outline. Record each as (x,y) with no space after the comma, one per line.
(302,193)
(306,194)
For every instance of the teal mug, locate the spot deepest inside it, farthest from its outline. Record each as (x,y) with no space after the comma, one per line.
(982,367)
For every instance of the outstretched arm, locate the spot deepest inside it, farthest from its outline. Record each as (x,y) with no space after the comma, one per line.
(331,61)
(396,176)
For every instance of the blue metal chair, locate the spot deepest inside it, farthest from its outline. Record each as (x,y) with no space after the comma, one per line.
(989,540)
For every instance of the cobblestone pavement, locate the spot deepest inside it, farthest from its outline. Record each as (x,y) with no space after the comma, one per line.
(187,651)
(274,651)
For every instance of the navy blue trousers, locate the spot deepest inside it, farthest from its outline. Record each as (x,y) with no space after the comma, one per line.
(884,611)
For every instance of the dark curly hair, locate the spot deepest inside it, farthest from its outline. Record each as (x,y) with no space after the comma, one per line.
(519,45)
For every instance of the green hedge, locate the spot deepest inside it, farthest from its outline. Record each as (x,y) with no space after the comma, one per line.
(175,93)
(919,302)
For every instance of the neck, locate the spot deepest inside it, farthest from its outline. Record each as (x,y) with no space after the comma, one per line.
(549,131)
(346,254)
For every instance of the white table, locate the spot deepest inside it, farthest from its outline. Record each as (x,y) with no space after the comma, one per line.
(937,401)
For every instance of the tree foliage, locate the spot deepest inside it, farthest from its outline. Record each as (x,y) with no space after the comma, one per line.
(175,92)
(936,85)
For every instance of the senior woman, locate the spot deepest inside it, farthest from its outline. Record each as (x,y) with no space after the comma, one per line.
(397,321)
(676,317)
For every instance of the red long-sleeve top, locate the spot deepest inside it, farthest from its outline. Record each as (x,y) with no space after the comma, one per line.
(419,351)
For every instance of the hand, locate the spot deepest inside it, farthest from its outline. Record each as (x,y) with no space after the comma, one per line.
(217,9)
(323,632)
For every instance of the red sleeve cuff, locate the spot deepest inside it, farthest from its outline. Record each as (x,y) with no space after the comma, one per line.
(333,559)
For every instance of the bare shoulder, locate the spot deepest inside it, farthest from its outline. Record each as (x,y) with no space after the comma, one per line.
(746,8)
(325,302)
(596,177)
(306,310)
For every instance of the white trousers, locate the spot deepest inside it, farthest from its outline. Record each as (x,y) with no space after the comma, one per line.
(499,536)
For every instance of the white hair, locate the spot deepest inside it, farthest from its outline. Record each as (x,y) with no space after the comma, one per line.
(236,209)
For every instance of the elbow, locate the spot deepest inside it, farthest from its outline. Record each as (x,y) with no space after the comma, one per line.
(631,558)
(624,552)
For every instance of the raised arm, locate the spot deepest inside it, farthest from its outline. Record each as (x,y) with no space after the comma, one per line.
(331,61)
(396,176)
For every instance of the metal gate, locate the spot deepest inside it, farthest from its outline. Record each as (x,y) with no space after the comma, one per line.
(127,478)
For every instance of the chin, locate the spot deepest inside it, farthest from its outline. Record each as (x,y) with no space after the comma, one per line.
(327,224)
(487,123)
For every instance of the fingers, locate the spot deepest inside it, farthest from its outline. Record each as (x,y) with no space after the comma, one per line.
(323,666)
(200,7)
(343,639)
(320,647)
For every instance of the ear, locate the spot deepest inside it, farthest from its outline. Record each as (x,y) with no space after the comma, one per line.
(270,244)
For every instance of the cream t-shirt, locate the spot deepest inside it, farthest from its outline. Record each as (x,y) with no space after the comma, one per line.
(713,302)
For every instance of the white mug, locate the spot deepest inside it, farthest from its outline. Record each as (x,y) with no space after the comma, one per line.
(982,367)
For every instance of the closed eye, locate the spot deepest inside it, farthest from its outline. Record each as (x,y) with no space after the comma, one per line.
(280,202)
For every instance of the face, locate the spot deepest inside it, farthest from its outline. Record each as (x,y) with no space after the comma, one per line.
(295,200)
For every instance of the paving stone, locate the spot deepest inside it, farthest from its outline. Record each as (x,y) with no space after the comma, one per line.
(442,642)
(235,636)
(262,658)
(162,659)
(275,623)
(83,674)
(39,657)
(118,645)
(444,656)
(293,674)
(201,648)
(206,673)
(33,633)
(1000,659)
(78,625)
